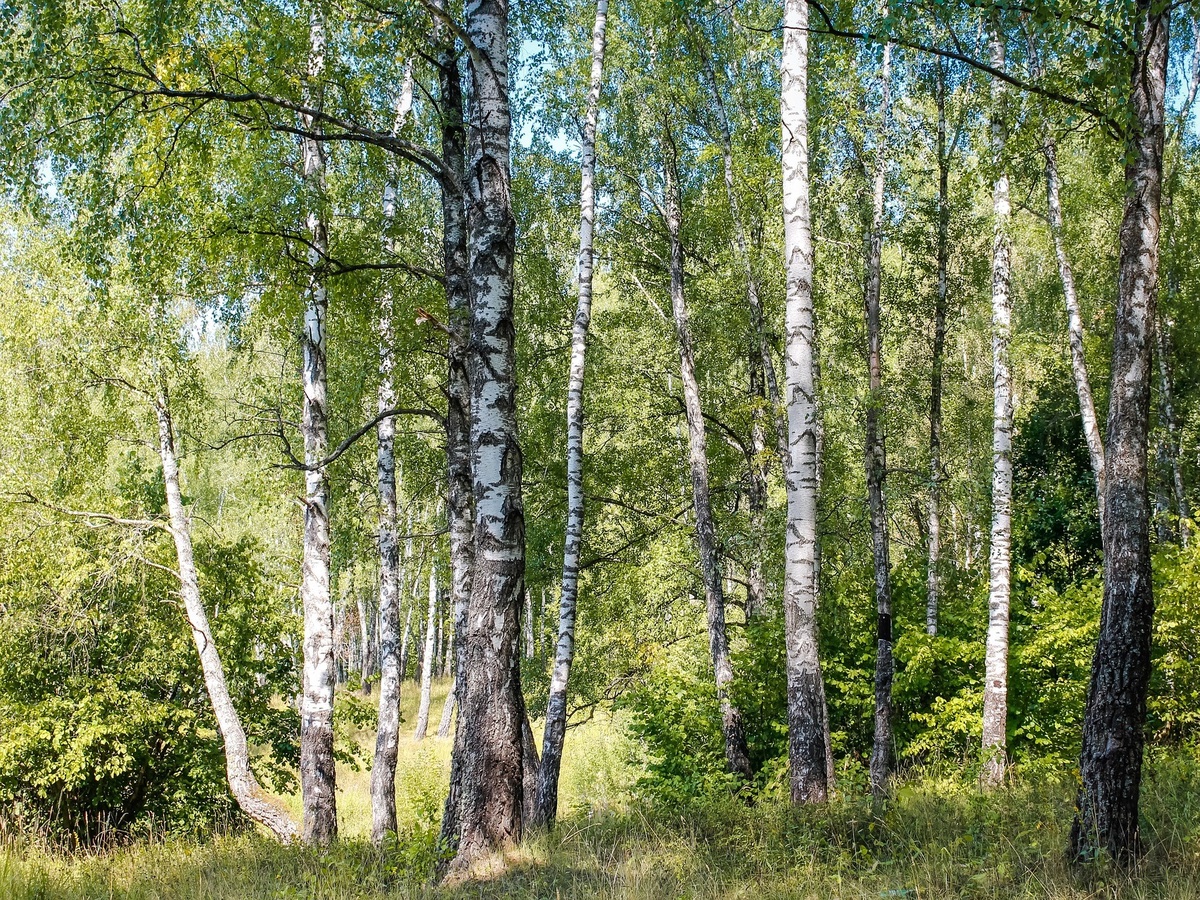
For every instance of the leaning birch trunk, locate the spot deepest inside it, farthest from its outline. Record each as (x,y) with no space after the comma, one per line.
(934,530)
(1115,714)
(427,660)
(1079,371)
(545,807)
(737,754)
(876,455)
(491,706)
(317,775)
(995,689)
(459,485)
(806,724)
(251,798)
(392,654)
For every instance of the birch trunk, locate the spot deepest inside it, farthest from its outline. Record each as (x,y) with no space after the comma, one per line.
(527,625)
(1079,371)
(737,755)
(934,530)
(491,706)
(545,807)
(460,499)
(1166,408)
(1115,714)
(366,617)
(806,723)
(427,659)
(251,798)
(448,711)
(317,776)
(995,690)
(876,455)
(392,655)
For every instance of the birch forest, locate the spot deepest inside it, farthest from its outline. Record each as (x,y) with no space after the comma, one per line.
(604,449)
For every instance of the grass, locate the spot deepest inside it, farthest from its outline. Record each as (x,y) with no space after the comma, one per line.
(937,838)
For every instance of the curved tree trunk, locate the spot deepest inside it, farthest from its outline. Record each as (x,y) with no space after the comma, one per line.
(318,784)
(995,689)
(545,807)
(876,455)
(806,716)
(251,798)
(1115,715)
(737,755)
(448,711)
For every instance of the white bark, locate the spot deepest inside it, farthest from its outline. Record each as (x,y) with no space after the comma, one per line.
(317,776)
(806,732)
(251,798)
(427,663)
(448,711)
(995,691)
(546,804)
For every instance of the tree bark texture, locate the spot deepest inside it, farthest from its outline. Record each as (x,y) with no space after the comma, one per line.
(737,755)
(995,690)
(317,776)
(251,798)
(875,456)
(545,807)
(491,706)
(806,730)
(1115,714)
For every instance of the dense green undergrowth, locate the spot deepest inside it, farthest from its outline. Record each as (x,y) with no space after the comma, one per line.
(939,836)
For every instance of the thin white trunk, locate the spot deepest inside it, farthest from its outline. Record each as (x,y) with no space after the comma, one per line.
(995,689)
(317,775)
(806,723)
(448,711)
(251,798)
(934,530)
(427,662)
(545,807)
(528,625)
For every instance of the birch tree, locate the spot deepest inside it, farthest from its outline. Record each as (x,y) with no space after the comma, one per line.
(995,690)
(427,659)
(737,754)
(806,728)
(317,776)
(545,808)
(1115,714)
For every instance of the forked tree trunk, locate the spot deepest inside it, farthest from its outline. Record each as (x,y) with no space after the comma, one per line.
(934,530)
(737,755)
(251,798)
(876,454)
(545,807)
(427,659)
(1115,714)
(491,706)
(806,717)
(318,784)
(995,689)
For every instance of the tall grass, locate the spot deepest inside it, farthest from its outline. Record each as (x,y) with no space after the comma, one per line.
(939,837)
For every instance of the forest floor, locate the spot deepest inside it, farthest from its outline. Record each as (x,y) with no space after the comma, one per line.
(939,837)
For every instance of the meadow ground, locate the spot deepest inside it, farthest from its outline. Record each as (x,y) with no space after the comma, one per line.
(939,837)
